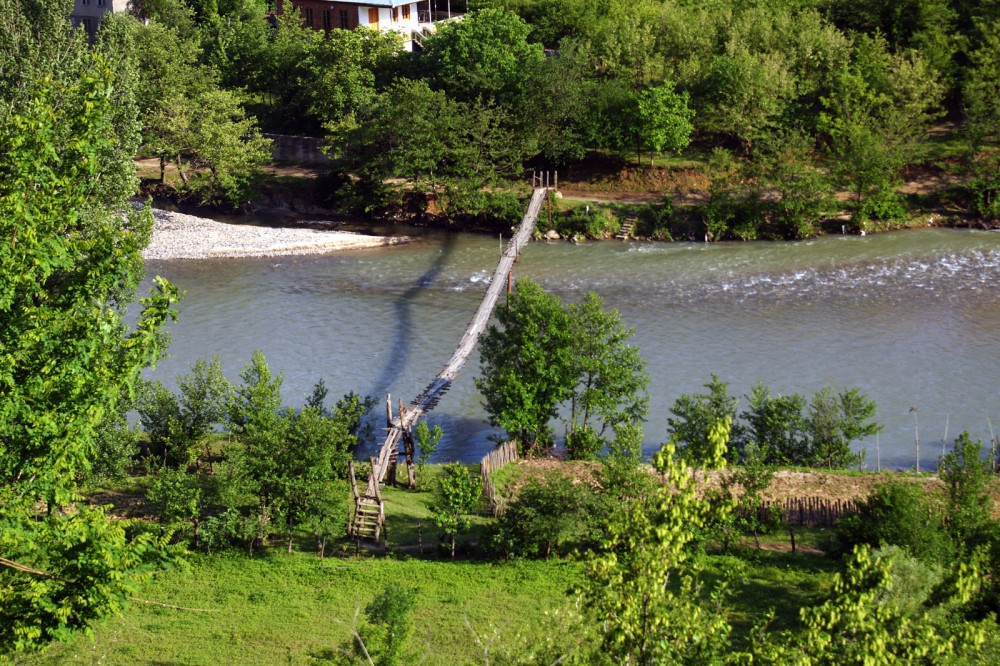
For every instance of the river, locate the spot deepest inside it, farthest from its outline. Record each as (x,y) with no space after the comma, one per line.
(909,317)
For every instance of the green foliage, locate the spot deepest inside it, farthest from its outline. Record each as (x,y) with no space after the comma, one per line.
(544,518)
(644,619)
(526,365)
(777,426)
(611,378)
(177,424)
(178,498)
(896,514)
(696,414)
(836,419)
(70,263)
(457,495)
(861,624)
(389,625)
(665,118)
(485,56)
(966,476)
(426,441)
(116,445)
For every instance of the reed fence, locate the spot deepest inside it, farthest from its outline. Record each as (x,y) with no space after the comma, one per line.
(491,462)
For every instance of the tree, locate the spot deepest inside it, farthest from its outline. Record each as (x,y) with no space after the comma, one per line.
(457,495)
(665,119)
(70,263)
(526,365)
(980,92)
(645,619)
(878,104)
(544,517)
(177,424)
(388,626)
(251,475)
(694,416)
(776,425)
(836,420)
(611,377)
(178,498)
(426,441)
(486,55)
(966,477)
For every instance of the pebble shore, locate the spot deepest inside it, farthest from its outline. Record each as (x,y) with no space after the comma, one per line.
(180,236)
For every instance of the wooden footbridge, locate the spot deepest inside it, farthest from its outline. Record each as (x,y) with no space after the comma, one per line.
(369,510)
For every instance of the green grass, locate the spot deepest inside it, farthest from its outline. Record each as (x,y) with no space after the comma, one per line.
(291,609)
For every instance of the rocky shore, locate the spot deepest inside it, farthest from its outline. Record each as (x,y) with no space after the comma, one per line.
(180,236)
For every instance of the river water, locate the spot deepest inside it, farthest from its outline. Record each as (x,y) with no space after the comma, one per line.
(909,317)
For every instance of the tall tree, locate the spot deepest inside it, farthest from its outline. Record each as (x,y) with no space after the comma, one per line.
(70,263)
(527,368)
(611,377)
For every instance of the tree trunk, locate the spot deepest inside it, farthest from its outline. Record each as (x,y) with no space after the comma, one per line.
(452,546)
(163,169)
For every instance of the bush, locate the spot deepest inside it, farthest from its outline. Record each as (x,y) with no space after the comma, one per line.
(895,514)
(586,221)
(545,518)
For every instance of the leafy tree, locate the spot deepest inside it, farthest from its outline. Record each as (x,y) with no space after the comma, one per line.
(695,415)
(805,196)
(526,365)
(178,424)
(878,104)
(981,90)
(776,424)
(544,517)
(857,625)
(116,446)
(611,377)
(836,420)
(458,494)
(486,55)
(178,498)
(251,475)
(69,265)
(895,514)
(389,624)
(426,441)
(665,119)
(646,620)
(966,477)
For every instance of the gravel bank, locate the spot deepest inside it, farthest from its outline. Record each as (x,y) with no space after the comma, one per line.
(179,236)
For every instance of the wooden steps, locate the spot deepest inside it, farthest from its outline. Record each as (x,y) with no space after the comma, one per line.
(627,227)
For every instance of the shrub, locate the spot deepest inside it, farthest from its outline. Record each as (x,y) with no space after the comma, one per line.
(895,514)
(544,518)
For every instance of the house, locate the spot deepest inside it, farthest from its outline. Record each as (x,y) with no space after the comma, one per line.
(88,13)
(411,18)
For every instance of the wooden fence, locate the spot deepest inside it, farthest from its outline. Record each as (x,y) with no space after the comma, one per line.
(810,511)
(492,462)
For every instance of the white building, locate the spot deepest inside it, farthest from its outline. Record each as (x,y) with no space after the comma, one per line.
(88,13)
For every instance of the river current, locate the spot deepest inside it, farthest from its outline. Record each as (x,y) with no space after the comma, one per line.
(912,318)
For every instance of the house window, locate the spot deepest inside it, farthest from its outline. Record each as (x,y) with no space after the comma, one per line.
(395,14)
(309,18)
(85,2)
(373,17)
(406,12)
(100,3)
(343,19)
(326,19)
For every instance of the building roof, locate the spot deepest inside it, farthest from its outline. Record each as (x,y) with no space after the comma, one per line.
(378,3)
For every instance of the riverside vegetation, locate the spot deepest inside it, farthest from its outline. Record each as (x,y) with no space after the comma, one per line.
(783,115)
(656,568)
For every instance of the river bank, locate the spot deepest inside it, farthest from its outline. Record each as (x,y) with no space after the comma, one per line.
(179,236)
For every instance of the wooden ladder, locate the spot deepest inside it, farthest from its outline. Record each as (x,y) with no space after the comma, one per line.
(369,512)
(627,227)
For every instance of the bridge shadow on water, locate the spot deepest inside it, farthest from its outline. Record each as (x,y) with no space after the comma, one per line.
(401,348)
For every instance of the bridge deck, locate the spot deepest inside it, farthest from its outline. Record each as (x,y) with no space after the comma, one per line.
(431,395)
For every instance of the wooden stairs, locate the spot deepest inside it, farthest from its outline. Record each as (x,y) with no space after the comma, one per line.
(627,227)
